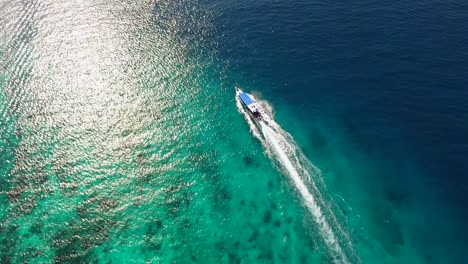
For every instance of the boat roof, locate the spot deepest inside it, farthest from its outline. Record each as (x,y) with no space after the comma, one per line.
(245,98)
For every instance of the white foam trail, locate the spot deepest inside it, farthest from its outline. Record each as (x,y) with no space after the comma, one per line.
(309,200)
(281,147)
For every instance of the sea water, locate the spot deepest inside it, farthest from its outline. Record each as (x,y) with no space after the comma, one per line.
(122,140)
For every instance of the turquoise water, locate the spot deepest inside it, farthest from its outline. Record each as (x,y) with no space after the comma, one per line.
(122,140)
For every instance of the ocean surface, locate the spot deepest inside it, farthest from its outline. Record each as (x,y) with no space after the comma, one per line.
(122,141)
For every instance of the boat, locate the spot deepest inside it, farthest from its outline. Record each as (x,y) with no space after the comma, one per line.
(249,103)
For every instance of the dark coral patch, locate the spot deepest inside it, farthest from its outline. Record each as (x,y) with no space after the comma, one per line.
(277,223)
(267,217)
(254,236)
(248,161)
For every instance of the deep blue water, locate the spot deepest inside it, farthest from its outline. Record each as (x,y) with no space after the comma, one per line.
(389,78)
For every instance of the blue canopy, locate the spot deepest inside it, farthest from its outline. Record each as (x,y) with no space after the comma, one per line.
(245,98)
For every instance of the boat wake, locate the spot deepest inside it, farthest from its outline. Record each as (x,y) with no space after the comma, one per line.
(284,152)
